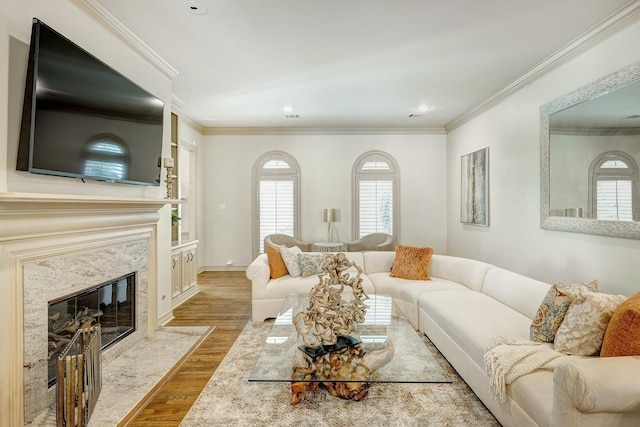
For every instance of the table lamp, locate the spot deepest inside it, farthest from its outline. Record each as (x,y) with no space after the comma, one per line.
(329,215)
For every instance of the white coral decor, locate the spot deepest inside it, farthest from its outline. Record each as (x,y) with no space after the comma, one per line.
(327,316)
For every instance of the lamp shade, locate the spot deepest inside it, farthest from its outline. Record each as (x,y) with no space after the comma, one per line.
(329,215)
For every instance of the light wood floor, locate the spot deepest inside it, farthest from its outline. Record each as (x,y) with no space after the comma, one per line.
(224,301)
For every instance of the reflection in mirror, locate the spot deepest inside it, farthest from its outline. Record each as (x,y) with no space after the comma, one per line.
(590,151)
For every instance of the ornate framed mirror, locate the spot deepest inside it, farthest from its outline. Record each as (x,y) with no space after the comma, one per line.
(589,156)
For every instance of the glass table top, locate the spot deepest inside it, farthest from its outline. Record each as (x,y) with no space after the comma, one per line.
(411,360)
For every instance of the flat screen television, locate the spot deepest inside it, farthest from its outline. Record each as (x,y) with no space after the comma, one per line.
(83,119)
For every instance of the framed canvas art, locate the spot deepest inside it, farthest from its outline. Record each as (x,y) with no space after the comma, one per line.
(474,191)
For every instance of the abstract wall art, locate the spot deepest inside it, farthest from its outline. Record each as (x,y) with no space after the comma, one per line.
(474,191)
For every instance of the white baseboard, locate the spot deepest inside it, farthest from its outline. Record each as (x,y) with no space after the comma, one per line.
(180,299)
(222,268)
(166,318)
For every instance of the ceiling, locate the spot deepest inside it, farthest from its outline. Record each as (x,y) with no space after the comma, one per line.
(351,64)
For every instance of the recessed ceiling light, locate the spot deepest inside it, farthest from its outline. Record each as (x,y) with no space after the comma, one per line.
(195,7)
(287,108)
(423,108)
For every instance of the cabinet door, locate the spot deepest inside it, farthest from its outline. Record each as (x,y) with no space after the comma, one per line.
(189,276)
(176,274)
(193,268)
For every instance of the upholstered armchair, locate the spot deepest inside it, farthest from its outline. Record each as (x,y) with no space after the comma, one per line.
(288,241)
(373,242)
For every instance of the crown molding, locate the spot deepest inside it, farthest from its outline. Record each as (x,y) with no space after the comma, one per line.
(614,23)
(177,104)
(197,126)
(96,10)
(321,131)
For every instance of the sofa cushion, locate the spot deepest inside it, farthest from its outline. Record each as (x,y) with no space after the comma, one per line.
(378,261)
(405,293)
(534,394)
(515,290)
(468,272)
(410,290)
(309,264)
(277,268)
(411,263)
(285,285)
(553,309)
(473,320)
(622,337)
(583,328)
(290,258)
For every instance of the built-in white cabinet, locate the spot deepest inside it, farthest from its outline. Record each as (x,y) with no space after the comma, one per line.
(184,266)
(184,189)
(184,272)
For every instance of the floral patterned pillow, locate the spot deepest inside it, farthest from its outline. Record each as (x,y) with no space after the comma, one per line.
(309,264)
(290,258)
(553,309)
(586,321)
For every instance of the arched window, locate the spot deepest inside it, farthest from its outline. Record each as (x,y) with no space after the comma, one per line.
(375,189)
(105,157)
(276,198)
(613,187)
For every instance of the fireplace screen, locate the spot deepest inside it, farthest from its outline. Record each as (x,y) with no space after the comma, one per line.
(111,305)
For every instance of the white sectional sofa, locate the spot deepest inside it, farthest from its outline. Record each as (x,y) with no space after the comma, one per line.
(465,306)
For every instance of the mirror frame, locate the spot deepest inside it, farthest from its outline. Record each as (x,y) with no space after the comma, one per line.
(630,230)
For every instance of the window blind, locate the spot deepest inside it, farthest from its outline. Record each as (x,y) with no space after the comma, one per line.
(376,207)
(613,200)
(276,210)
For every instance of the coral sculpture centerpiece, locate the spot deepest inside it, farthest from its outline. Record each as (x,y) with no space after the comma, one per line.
(330,357)
(328,320)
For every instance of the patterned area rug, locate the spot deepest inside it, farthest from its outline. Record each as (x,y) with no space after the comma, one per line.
(229,399)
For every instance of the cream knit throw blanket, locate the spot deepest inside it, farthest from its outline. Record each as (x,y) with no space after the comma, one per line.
(507,360)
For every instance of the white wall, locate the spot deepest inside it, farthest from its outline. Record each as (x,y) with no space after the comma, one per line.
(326,163)
(514,239)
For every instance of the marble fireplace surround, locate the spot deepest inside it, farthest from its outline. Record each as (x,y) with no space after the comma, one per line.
(52,246)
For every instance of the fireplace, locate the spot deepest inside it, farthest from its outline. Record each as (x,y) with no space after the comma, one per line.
(111,305)
(54,246)
(99,276)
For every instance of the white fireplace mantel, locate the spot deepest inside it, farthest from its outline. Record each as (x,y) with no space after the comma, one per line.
(35,201)
(32,214)
(36,226)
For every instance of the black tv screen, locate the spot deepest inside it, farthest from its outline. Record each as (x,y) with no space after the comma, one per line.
(81,118)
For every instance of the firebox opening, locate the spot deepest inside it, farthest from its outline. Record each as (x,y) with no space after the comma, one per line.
(111,304)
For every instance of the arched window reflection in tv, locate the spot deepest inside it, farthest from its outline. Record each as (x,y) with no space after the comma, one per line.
(105,157)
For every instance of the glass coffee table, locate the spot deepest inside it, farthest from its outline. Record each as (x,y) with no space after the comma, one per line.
(389,345)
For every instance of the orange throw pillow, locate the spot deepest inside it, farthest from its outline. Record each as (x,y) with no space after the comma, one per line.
(622,337)
(276,263)
(411,263)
